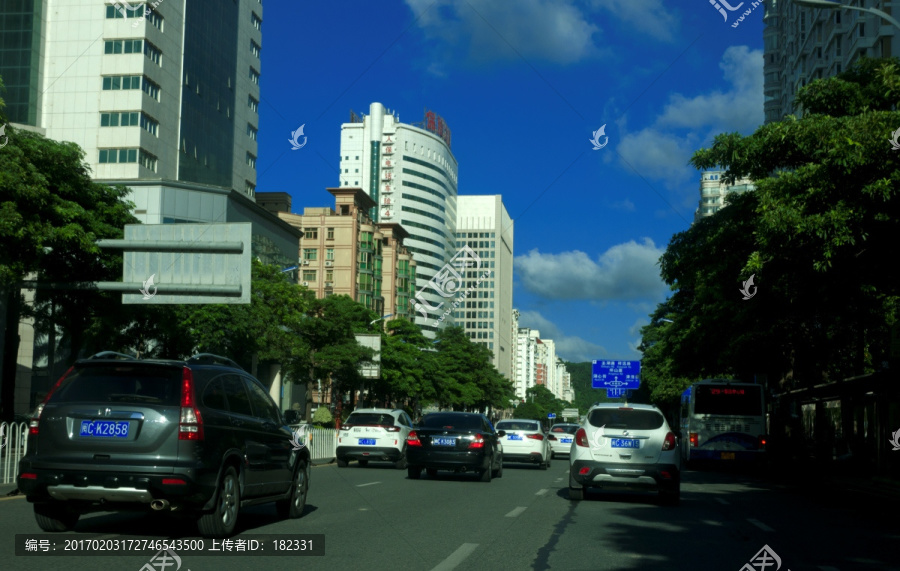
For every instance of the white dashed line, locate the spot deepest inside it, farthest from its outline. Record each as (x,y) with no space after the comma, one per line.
(369,484)
(721,501)
(456,557)
(760,524)
(541,492)
(559,479)
(516,512)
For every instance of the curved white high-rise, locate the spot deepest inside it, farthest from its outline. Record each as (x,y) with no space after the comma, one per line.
(411,174)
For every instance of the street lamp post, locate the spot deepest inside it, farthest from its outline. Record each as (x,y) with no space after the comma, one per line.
(380,318)
(824,4)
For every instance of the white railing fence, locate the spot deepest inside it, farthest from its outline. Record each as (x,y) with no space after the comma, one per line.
(13,445)
(323,445)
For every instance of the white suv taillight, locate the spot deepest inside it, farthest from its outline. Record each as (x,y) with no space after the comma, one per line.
(669,442)
(34,423)
(190,425)
(581,438)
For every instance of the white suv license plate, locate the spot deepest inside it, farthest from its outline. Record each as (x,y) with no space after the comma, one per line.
(625,443)
(443,441)
(367,442)
(513,437)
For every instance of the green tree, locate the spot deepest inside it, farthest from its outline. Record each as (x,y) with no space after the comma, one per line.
(408,365)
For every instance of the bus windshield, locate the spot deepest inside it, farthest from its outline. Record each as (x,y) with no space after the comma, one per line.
(743,400)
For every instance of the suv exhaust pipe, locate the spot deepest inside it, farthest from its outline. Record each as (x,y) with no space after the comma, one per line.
(159,505)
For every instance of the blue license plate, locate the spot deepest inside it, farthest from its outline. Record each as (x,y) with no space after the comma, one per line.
(513,437)
(625,443)
(443,441)
(367,442)
(104,428)
(566,440)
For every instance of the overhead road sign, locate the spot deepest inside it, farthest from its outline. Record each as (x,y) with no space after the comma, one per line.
(616,374)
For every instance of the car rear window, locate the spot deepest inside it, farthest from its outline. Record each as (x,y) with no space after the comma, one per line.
(133,384)
(370,418)
(507,425)
(632,419)
(457,421)
(568,429)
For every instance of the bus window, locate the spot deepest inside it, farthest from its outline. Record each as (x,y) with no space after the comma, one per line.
(744,400)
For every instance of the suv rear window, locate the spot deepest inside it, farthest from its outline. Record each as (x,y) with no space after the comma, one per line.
(134,384)
(370,418)
(632,419)
(460,422)
(507,425)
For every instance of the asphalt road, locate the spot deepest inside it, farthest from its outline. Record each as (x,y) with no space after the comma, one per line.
(375,518)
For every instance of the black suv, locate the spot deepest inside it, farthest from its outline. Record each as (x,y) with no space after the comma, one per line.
(199,437)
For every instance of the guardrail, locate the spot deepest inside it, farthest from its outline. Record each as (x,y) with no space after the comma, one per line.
(13,445)
(323,443)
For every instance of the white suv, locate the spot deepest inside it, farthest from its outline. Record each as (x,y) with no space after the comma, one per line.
(627,448)
(524,441)
(374,434)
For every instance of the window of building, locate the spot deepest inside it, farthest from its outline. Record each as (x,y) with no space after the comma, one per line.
(253,104)
(150,88)
(123,46)
(256,21)
(310,254)
(254,76)
(251,132)
(147,160)
(118,156)
(251,161)
(254,48)
(329,253)
(119,11)
(309,275)
(329,275)
(311,233)
(249,187)
(121,82)
(329,233)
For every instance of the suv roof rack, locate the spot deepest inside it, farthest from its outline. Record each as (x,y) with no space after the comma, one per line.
(112,355)
(206,358)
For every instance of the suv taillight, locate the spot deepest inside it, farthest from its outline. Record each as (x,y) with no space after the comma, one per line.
(413,439)
(762,441)
(34,423)
(190,425)
(695,439)
(581,438)
(535,436)
(669,442)
(478,442)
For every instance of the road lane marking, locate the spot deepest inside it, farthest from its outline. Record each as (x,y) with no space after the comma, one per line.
(721,501)
(559,479)
(541,492)
(369,484)
(760,524)
(516,512)
(456,557)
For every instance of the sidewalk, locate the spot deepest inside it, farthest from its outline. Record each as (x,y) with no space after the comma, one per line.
(837,475)
(6,489)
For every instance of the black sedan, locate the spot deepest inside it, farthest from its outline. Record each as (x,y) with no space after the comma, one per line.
(457,441)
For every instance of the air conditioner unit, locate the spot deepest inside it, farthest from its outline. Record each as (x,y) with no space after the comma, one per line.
(304,262)
(305,284)
(329,284)
(328,263)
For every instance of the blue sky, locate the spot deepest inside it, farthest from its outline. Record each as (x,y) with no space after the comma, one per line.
(523,85)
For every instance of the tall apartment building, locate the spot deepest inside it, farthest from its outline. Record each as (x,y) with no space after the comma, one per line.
(713,191)
(514,352)
(526,360)
(342,251)
(803,44)
(411,175)
(483,224)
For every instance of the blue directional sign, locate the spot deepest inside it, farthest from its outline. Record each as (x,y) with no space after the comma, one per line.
(616,375)
(551,415)
(616,393)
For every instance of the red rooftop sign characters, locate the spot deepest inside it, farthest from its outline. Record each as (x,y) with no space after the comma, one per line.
(435,124)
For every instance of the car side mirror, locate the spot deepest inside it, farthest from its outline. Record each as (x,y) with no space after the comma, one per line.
(501,433)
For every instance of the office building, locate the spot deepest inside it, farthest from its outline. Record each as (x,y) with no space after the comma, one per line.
(483,225)
(713,191)
(410,174)
(803,44)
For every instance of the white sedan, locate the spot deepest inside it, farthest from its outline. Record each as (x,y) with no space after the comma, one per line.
(525,442)
(560,438)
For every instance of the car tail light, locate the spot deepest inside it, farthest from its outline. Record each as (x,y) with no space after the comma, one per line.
(762,441)
(34,423)
(392,428)
(584,471)
(478,442)
(669,442)
(173,482)
(28,476)
(665,474)
(581,438)
(695,439)
(413,439)
(190,426)
(551,437)
(535,436)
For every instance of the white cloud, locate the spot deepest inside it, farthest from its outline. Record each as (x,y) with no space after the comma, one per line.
(649,16)
(658,154)
(551,30)
(626,271)
(623,205)
(568,348)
